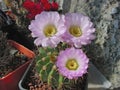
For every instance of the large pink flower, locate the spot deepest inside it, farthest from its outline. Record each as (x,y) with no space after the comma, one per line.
(79,29)
(72,63)
(48,28)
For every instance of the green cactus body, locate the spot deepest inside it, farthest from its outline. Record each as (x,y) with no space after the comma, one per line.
(47,69)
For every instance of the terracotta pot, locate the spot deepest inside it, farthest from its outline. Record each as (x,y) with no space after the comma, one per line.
(11,80)
(24,77)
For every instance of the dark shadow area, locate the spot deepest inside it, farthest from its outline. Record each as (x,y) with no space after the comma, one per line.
(14,32)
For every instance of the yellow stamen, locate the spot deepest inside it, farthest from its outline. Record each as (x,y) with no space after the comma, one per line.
(75,31)
(50,30)
(72,64)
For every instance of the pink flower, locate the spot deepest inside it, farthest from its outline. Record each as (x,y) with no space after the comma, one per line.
(48,28)
(79,30)
(72,63)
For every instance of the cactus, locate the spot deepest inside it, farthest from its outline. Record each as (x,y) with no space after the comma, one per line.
(45,65)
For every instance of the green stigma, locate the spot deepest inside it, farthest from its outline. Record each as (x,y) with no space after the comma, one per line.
(75,31)
(50,30)
(72,64)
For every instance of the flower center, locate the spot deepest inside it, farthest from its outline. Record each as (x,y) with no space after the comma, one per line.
(50,30)
(75,31)
(72,64)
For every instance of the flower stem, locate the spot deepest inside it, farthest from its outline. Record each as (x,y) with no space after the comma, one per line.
(60,81)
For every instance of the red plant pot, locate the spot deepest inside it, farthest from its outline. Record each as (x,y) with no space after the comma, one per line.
(11,80)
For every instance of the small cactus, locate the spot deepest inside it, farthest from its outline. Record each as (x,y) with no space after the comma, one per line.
(47,69)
